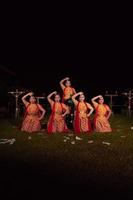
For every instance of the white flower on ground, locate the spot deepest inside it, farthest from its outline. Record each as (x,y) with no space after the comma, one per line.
(90,141)
(107,143)
(78,138)
(73,142)
(7,141)
(67,138)
(12,141)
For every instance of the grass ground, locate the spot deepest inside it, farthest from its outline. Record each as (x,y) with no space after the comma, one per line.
(41,162)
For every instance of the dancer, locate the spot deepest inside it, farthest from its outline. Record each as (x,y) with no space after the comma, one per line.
(56,121)
(68,92)
(33,115)
(83,111)
(103,112)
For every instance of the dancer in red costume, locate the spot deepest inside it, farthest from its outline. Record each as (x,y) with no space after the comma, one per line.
(103,112)
(68,92)
(33,115)
(56,121)
(83,112)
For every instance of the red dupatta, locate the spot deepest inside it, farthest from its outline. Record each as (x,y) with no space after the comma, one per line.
(77,120)
(26,111)
(50,124)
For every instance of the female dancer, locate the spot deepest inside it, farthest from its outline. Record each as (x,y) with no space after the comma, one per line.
(103,112)
(83,112)
(31,122)
(56,121)
(68,92)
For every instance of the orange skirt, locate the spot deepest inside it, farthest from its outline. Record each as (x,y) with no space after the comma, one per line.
(102,124)
(58,124)
(31,124)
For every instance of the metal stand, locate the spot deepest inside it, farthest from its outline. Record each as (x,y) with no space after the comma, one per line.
(111,98)
(16,94)
(129,95)
(38,99)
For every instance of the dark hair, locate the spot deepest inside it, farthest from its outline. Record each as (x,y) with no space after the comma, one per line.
(34,97)
(81,95)
(67,81)
(100,99)
(58,95)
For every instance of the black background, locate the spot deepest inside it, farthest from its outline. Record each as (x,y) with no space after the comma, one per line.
(101,54)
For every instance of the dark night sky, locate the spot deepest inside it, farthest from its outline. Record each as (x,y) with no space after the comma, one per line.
(106,51)
(94,77)
(106,62)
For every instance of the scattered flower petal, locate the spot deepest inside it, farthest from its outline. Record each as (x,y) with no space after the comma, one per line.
(73,142)
(123,136)
(67,138)
(90,141)
(7,141)
(78,138)
(107,143)
(12,141)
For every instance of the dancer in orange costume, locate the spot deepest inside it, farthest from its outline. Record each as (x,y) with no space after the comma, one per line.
(33,115)
(56,121)
(68,92)
(83,111)
(103,112)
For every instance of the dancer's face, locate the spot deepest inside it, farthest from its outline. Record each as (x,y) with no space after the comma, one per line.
(57,98)
(32,99)
(68,83)
(101,101)
(81,98)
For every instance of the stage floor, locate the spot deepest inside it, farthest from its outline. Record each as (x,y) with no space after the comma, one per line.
(39,164)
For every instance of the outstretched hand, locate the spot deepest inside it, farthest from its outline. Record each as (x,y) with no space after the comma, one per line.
(100,96)
(81,93)
(30,93)
(55,92)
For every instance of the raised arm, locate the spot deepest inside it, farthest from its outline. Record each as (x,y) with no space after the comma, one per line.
(24,98)
(42,110)
(74,97)
(49,97)
(62,83)
(94,98)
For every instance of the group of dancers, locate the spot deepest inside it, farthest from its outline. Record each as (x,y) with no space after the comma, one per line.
(69,112)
